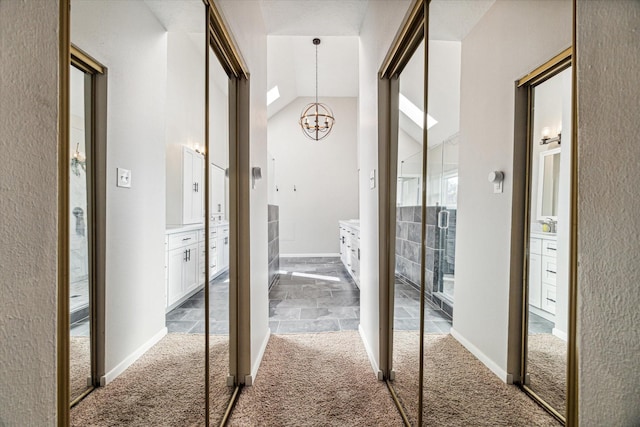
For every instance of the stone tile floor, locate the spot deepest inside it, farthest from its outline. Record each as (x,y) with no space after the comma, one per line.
(189,316)
(313,294)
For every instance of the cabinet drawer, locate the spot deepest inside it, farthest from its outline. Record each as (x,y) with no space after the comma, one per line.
(179,240)
(549,298)
(549,270)
(535,246)
(549,247)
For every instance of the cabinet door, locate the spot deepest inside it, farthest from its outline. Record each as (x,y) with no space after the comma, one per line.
(192,187)
(535,280)
(225,252)
(174,275)
(217,196)
(190,272)
(197,203)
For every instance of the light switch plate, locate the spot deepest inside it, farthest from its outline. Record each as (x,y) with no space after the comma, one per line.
(372,179)
(124,178)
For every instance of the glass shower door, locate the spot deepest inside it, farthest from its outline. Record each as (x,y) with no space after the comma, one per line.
(447,183)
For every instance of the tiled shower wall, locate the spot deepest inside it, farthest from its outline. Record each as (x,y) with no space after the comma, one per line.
(408,226)
(274,243)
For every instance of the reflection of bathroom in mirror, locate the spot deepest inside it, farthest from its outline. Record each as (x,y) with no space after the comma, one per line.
(548,259)
(548,184)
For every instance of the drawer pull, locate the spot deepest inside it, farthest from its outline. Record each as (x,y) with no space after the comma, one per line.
(551,271)
(552,300)
(551,249)
(186,238)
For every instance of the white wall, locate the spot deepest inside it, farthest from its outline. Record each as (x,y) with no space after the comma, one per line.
(608,206)
(127,39)
(381,22)
(28,208)
(324,174)
(245,22)
(512,39)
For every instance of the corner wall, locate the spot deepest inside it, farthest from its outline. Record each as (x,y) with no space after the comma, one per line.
(29,76)
(608,204)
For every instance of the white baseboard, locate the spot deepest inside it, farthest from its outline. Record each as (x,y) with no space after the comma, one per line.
(249,379)
(374,365)
(500,373)
(309,255)
(129,360)
(560,334)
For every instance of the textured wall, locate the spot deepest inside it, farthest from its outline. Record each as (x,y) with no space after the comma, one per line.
(28,211)
(608,212)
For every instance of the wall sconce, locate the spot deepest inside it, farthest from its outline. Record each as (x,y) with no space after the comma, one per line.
(78,161)
(256,174)
(546,136)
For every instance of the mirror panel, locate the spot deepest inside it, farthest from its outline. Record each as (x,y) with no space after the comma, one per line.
(406,312)
(80,231)
(152,330)
(548,261)
(219,283)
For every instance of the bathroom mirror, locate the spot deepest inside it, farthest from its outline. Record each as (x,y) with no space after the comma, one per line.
(548,184)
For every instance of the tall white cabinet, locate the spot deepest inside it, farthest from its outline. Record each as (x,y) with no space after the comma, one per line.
(185,186)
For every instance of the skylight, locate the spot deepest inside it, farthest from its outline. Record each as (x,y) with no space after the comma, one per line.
(272,95)
(415,113)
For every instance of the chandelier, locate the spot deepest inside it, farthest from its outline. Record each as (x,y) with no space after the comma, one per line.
(316,119)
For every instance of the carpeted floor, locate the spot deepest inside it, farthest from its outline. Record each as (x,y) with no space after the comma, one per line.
(548,369)
(459,389)
(165,387)
(322,379)
(79,365)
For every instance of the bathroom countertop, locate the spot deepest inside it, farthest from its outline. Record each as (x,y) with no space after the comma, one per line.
(543,235)
(350,222)
(172,229)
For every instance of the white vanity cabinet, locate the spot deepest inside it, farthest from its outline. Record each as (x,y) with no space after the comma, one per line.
(350,248)
(182,265)
(185,186)
(542,274)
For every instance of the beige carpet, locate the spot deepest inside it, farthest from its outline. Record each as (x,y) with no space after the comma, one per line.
(79,365)
(459,389)
(548,369)
(165,387)
(316,380)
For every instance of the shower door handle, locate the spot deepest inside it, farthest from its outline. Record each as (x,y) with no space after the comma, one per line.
(443,219)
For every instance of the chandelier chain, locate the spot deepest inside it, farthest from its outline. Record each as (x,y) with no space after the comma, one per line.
(316,74)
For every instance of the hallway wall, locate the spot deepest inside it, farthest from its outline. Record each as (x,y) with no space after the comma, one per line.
(608,206)
(493,58)
(245,22)
(135,218)
(376,35)
(324,174)
(28,208)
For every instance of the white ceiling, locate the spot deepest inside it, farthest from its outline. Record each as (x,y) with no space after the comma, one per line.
(452,20)
(314,17)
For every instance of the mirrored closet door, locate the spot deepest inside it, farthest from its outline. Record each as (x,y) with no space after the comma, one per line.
(546,331)
(408,235)
(81,233)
